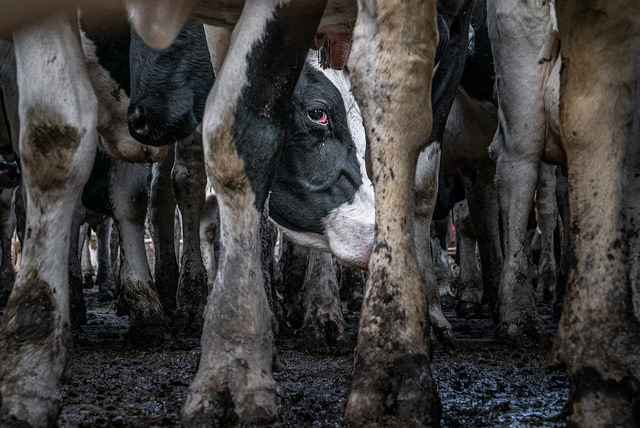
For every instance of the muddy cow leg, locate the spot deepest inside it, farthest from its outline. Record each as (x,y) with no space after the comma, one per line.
(469,283)
(547,216)
(57,142)
(128,184)
(562,202)
(391,376)
(162,207)
(189,181)
(518,38)
(440,258)
(324,329)
(599,332)
(78,307)
(210,238)
(484,210)
(292,269)
(426,189)
(7,227)
(104,276)
(234,381)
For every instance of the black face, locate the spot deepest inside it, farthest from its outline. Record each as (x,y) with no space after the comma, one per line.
(169,87)
(318,169)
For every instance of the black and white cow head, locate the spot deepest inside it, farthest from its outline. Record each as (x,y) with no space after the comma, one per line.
(169,87)
(321,195)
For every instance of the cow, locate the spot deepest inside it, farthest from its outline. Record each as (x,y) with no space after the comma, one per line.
(234,381)
(588,32)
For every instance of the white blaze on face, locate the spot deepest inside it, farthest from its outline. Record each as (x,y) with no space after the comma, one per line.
(350,227)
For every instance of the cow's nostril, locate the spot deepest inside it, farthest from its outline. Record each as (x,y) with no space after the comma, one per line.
(138,121)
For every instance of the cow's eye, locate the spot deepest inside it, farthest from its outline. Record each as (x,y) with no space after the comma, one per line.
(318,116)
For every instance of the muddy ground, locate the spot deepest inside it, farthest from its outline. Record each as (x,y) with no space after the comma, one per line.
(113,382)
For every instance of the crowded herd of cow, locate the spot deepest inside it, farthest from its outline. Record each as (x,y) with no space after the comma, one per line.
(496,115)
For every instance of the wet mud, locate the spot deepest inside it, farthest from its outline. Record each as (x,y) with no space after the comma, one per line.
(115,382)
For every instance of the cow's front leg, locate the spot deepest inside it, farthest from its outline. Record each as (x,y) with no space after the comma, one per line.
(392,64)
(162,209)
(189,182)
(58,115)
(242,140)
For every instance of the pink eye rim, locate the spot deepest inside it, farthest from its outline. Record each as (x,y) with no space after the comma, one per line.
(318,116)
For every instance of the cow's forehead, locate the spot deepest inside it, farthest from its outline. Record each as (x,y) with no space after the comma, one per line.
(340,79)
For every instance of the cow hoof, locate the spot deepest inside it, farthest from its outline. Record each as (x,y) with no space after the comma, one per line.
(105,296)
(34,409)
(186,324)
(522,328)
(152,328)
(444,336)
(407,400)
(325,336)
(468,310)
(87,281)
(253,408)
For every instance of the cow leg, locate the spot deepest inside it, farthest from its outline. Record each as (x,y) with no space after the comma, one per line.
(189,181)
(547,216)
(234,382)
(162,207)
(324,329)
(391,376)
(518,39)
(268,235)
(128,184)
(7,227)
(104,276)
(78,307)
(210,238)
(292,266)
(562,202)
(440,257)
(85,256)
(599,331)
(484,210)
(57,142)
(469,283)
(426,189)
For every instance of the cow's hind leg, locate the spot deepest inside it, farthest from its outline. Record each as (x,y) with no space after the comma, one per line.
(128,183)
(57,143)
(599,331)
(242,128)
(517,31)
(392,59)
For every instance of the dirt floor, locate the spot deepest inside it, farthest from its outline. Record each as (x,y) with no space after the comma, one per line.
(113,382)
